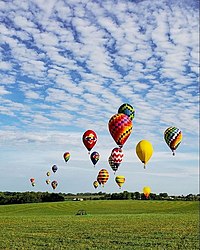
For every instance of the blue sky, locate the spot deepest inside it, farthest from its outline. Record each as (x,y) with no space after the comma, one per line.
(67,66)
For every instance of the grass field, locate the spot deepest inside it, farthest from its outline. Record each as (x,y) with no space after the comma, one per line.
(107,225)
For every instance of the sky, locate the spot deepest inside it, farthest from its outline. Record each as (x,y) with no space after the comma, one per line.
(67,66)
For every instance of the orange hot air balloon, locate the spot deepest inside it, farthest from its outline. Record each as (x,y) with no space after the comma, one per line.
(89,139)
(147,191)
(120,127)
(103,176)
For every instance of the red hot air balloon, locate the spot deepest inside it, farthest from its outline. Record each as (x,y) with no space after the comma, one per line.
(120,127)
(89,139)
(117,155)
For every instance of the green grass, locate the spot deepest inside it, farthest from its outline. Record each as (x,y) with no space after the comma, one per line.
(108,225)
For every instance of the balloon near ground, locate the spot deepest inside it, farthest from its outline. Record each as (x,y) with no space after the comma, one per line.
(32,180)
(173,137)
(120,179)
(89,139)
(120,127)
(54,168)
(95,184)
(144,151)
(147,191)
(94,157)
(103,176)
(54,184)
(66,156)
(128,110)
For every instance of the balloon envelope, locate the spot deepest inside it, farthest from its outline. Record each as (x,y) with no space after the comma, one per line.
(89,139)
(112,164)
(32,180)
(95,184)
(144,151)
(120,179)
(48,181)
(94,157)
(127,109)
(120,127)
(66,156)
(173,137)
(54,168)
(117,155)
(54,184)
(48,173)
(103,176)
(147,191)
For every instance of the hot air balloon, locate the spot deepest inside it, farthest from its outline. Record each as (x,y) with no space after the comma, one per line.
(54,184)
(120,179)
(147,191)
(117,156)
(120,127)
(103,176)
(48,181)
(173,137)
(144,150)
(94,157)
(89,139)
(48,173)
(112,164)
(66,156)
(32,180)
(54,168)
(95,184)
(127,109)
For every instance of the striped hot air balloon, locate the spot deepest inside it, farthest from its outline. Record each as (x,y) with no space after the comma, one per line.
(66,156)
(120,127)
(112,164)
(127,109)
(103,176)
(117,155)
(120,179)
(173,137)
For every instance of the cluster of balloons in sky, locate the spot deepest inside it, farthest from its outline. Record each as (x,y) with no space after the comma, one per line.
(120,127)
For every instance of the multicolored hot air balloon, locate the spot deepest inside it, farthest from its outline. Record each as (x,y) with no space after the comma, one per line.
(147,191)
(173,137)
(94,157)
(89,139)
(48,173)
(128,110)
(117,156)
(66,156)
(120,127)
(48,181)
(112,164)
(95,184)
(144,151)
(120,179)
(54,168)
(54,184)
(103,176)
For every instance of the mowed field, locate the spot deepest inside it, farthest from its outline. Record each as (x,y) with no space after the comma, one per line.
(127,224)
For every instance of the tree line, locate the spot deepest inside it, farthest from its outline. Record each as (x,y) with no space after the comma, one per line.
(35,197)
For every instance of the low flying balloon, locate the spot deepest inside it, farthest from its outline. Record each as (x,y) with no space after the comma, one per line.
(120,179)
(103,176)
(94,157)
(112,164)
(66,156)
(120,127)
(54,168)
(144,151)
(89,139)
(48,181)
(33,184)
(173,137)
(147,191)
(48,173)
(95,184)
(127,109)
(54,184)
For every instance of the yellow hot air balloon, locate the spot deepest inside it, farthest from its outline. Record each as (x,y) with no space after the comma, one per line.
(146,191)
(120,179)
(144,151)
(95,184)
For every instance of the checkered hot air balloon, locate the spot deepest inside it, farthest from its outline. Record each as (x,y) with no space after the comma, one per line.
(120,127)
(173,137)
(127,109)
(112,164)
